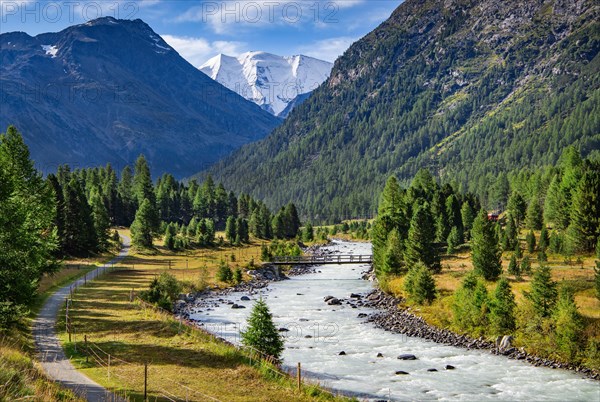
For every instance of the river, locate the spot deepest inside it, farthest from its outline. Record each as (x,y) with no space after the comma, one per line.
(319,332)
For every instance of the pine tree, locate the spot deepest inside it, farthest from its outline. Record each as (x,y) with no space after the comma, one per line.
(484,248)
(513,267)
(530,239)
(230,230)
(544,239)
(261,333)
(292,221)
(224,273)
(309,234)
(584,230)
(511,232)
(419,284)
(143,189)
(543,291)
(569,324)
(101,221)
(28,239)
(470,304)
(420,243)
(237,276)
(502,309)
(468,216)
(241,227)
(454,240)
(517,207)
(525,266)
(278,226)
(142,229)
(518,251)
(534,214)
(393,262)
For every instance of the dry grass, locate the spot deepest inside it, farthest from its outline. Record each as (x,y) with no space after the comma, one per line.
(183,363)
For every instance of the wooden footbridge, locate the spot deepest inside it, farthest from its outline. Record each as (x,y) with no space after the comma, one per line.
(322,259)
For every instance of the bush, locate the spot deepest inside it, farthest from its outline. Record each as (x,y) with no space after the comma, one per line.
(420,284)
(569,324)
(163,291)
(237,276)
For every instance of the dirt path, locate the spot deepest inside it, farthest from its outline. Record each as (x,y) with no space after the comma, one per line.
(51,355)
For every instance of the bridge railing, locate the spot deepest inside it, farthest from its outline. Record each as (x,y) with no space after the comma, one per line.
(322,259)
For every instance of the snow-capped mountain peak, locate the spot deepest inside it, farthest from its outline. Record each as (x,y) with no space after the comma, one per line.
(272,82)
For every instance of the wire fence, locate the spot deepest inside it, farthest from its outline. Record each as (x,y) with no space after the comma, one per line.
(124,377)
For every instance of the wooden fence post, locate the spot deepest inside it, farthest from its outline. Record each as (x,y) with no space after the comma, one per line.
(87,352)
(299,377)
(108,367)
(145,382)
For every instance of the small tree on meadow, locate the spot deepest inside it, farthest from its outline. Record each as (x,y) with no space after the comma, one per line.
(224,273)
(513,267)
(543,291)
(525,266)
(484,248)
(261,333)
(569,324)
(453,240)
(530,240)
(141,229)
(502,309)
(419,284)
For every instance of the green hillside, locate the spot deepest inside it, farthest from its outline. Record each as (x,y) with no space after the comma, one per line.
(469,89)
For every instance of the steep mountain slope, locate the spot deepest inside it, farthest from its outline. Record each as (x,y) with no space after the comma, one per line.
(108,90)
(273,82)
(466,88)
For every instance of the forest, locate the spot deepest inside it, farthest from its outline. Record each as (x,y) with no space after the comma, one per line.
(551,222)
(70,213)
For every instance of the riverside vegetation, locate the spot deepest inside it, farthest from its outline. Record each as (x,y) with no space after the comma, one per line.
(531,274)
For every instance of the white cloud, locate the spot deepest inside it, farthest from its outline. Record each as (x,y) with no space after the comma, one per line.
(327,49)
(199,50)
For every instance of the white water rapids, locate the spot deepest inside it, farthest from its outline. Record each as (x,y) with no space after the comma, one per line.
(297,304)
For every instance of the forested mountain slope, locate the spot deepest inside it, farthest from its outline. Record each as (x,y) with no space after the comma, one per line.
(469,89)
(108,90)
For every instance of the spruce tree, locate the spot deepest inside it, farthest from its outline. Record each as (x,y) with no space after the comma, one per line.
(597,279)
(513,267)
(230,230)
(142,228)
(584,230)
(484,248)
(517,207)
(467,216)
(28,239)
(544,239)
(420,243)
(502,309)
(454,240)
(530,240)
(569,324)
(534,214)
(101,220)
(525,266)
(543,291)
(419,284)
(261,333)
(309,234)
(518,251)
(511,232)
(393,262)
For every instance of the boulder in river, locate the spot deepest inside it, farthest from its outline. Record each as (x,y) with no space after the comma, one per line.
(379,354)
(407,357)
(342,353)
(432,370)
(283,330)
(362,315)
(506,342)
(400,372)
(245,298)
(334,302)
(327,298)
(449,367)
(236,306)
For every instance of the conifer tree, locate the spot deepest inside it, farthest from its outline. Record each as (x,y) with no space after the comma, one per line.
(502,309)
(517,207)
(534,214)
(143,189)
(420,243)
(230,230)
(511,232)
(393,263)
(141,228)
(544,239)
(513,267)
(518,251)
(101,220)
(27,237)
(530,239)
(584,230)
(467,216)
(569,324)
(454,240)
(484,248)
(309,234)
(597,279)
(543,291)
(420,284)
(525,266)
(261,333)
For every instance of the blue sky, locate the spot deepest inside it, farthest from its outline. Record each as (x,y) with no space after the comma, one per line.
(200,29)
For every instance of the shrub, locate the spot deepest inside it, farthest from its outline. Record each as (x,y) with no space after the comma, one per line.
(237,276)
(569,324)
(163,291)
(224,274)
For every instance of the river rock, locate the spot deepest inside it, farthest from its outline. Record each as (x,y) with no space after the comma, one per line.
(327,298)
(407,357)
(379,354)
(334,302)
(237,306)
(283,330)
(400,372)
(362,315)
(432,370)
(342,353)
(355,296)
(449,367)
(506,343)
(245,298)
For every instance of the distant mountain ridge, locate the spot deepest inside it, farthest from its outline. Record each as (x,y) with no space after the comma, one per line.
(275,83)
(468,89)
(108,90)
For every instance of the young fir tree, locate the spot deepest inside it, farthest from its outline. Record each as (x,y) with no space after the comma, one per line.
(502,309)
(534,214)
(467,216)
(471,304)
(261,333)
(393,263)
(518,251)
(237,276)
(525,266)
(597,279)
(101,220)
(142,228)
(230,230)
(420,284)
(420,243)
(224,273)
(544,239)
(569,324)
(530,240)
(513,267)
(308,234)
(517,207)
(484,248)
(454,240)
(511,232)
(543,291)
